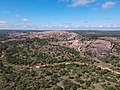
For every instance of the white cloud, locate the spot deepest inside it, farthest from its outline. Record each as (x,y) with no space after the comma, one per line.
(3,24)
(76,3)
(109,4)
(6,25)
(26,20)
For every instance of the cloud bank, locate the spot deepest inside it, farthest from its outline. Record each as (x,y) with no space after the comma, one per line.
(25,20)
(107,5)
(76,3)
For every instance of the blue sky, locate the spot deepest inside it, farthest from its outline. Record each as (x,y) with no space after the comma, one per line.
(59,14)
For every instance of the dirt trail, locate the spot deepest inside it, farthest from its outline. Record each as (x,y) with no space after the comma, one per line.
(79,63)
(57,64)
(66,63)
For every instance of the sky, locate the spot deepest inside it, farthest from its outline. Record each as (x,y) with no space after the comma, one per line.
(60,14)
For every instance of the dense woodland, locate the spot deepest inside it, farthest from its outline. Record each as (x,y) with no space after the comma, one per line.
(36,64)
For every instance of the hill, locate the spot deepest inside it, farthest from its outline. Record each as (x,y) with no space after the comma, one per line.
(58,60)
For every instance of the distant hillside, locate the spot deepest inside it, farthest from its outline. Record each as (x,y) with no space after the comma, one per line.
(95,48)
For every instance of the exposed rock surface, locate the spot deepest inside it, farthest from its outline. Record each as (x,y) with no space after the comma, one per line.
(100,48)
(60,35)
(96,48)
(115,40)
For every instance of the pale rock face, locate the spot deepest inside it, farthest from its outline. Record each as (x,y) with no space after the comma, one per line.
(60,35)
(98,48)
(112,39)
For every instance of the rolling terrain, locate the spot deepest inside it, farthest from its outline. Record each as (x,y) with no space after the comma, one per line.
(59,60)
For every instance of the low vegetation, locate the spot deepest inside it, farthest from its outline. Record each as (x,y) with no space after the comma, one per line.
(36,64)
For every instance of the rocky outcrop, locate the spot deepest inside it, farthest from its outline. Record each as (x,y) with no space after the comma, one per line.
(99,48)
(60,35)
(95,48)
